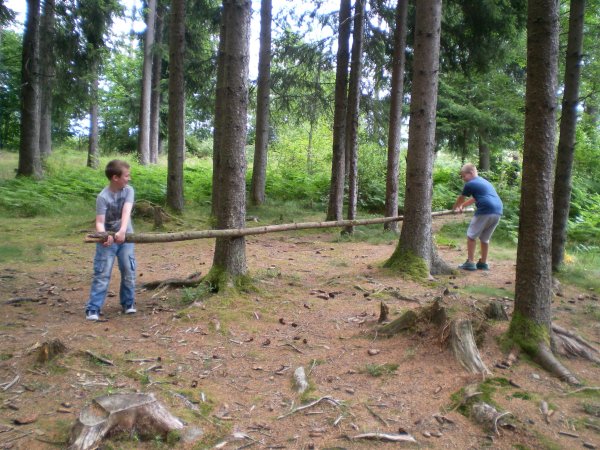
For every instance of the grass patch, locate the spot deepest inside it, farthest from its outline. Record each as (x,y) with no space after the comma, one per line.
(522,395)
(488,291)
(379,370)
(583,270)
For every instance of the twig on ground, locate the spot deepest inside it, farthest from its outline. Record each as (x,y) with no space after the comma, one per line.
(377,416)
(99,358)
(11,383)
(328,398)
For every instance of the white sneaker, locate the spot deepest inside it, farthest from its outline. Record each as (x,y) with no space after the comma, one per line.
(92,316)
(130,310)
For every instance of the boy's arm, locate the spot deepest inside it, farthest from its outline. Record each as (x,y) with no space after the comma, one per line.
(100,228)
(125,217)
(462,203)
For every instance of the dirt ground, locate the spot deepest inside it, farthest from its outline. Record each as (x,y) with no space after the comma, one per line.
(225,364)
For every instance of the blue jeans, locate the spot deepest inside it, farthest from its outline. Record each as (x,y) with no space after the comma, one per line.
(103,264)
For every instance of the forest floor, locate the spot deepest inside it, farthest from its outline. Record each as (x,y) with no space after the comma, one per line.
(226,363)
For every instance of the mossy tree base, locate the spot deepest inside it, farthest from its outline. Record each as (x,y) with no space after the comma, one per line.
(407,263)
(534,339)
(222,281)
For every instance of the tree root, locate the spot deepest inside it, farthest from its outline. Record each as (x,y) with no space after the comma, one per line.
(192,280)
(548,361)
(568,344)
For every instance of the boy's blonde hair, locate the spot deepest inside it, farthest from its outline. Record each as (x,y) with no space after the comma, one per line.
(115,167)
(469,168)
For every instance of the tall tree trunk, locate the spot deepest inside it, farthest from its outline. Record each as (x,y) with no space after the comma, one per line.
(338,161)
(144,125)
(30,164)
(175,197)
(568,125)
(218,125)
(229,262)
(484,155)
(259,171)
(93,152)
(156,94)
(415,251)
(394,134)
(47,78)
(531,322)
(353,110)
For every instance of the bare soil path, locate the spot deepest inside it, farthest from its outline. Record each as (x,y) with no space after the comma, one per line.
(226,363)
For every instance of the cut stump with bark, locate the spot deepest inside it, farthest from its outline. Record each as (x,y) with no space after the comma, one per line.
(464,347)
(123,413)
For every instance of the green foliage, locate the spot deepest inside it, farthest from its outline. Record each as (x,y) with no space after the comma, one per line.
(10,93)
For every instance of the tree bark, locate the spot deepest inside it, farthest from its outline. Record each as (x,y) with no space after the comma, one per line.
(93,152)
(531,322)
(155,93)
(352,112)
(144,125)
(338,161)
(568,125)
(47,64)
(395,126)
(30,164)
(415,248)
(484,156)
(229,260)
(259,170)
(176,155)
(220,97)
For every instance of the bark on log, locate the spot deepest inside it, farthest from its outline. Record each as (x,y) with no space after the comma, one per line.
(568,343)
(464,347)
(143,238)
(122,413)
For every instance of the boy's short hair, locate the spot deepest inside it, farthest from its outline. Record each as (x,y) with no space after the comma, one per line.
(469,168)
(115,167)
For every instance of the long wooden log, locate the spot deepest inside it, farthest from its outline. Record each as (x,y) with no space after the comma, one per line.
(144,238)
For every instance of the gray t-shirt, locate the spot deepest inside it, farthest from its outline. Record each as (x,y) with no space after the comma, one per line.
(110,205)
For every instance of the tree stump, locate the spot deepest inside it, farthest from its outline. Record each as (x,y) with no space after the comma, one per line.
(404,322)
(495,311)
(122,413)
(49,350)
(464,347)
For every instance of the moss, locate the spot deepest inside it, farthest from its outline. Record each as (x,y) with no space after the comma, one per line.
(407,263)
(487,389)
(377,370)
(522,395)
(527,334)
(221,281)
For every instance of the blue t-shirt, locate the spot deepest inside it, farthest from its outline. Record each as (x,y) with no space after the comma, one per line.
(486,198)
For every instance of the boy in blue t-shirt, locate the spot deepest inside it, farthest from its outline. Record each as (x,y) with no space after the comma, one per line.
(113,213)
(486,218)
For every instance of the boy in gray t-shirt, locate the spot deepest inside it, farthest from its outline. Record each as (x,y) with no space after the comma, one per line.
(113,213)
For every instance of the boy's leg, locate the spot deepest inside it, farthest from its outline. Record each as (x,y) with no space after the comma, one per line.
(103,263)
(471,243)
(127,263)
(484,251)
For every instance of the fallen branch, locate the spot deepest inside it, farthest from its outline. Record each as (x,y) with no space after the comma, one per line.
(587,388)
(390,437)
(142,238)
(327,398)
(18,300)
